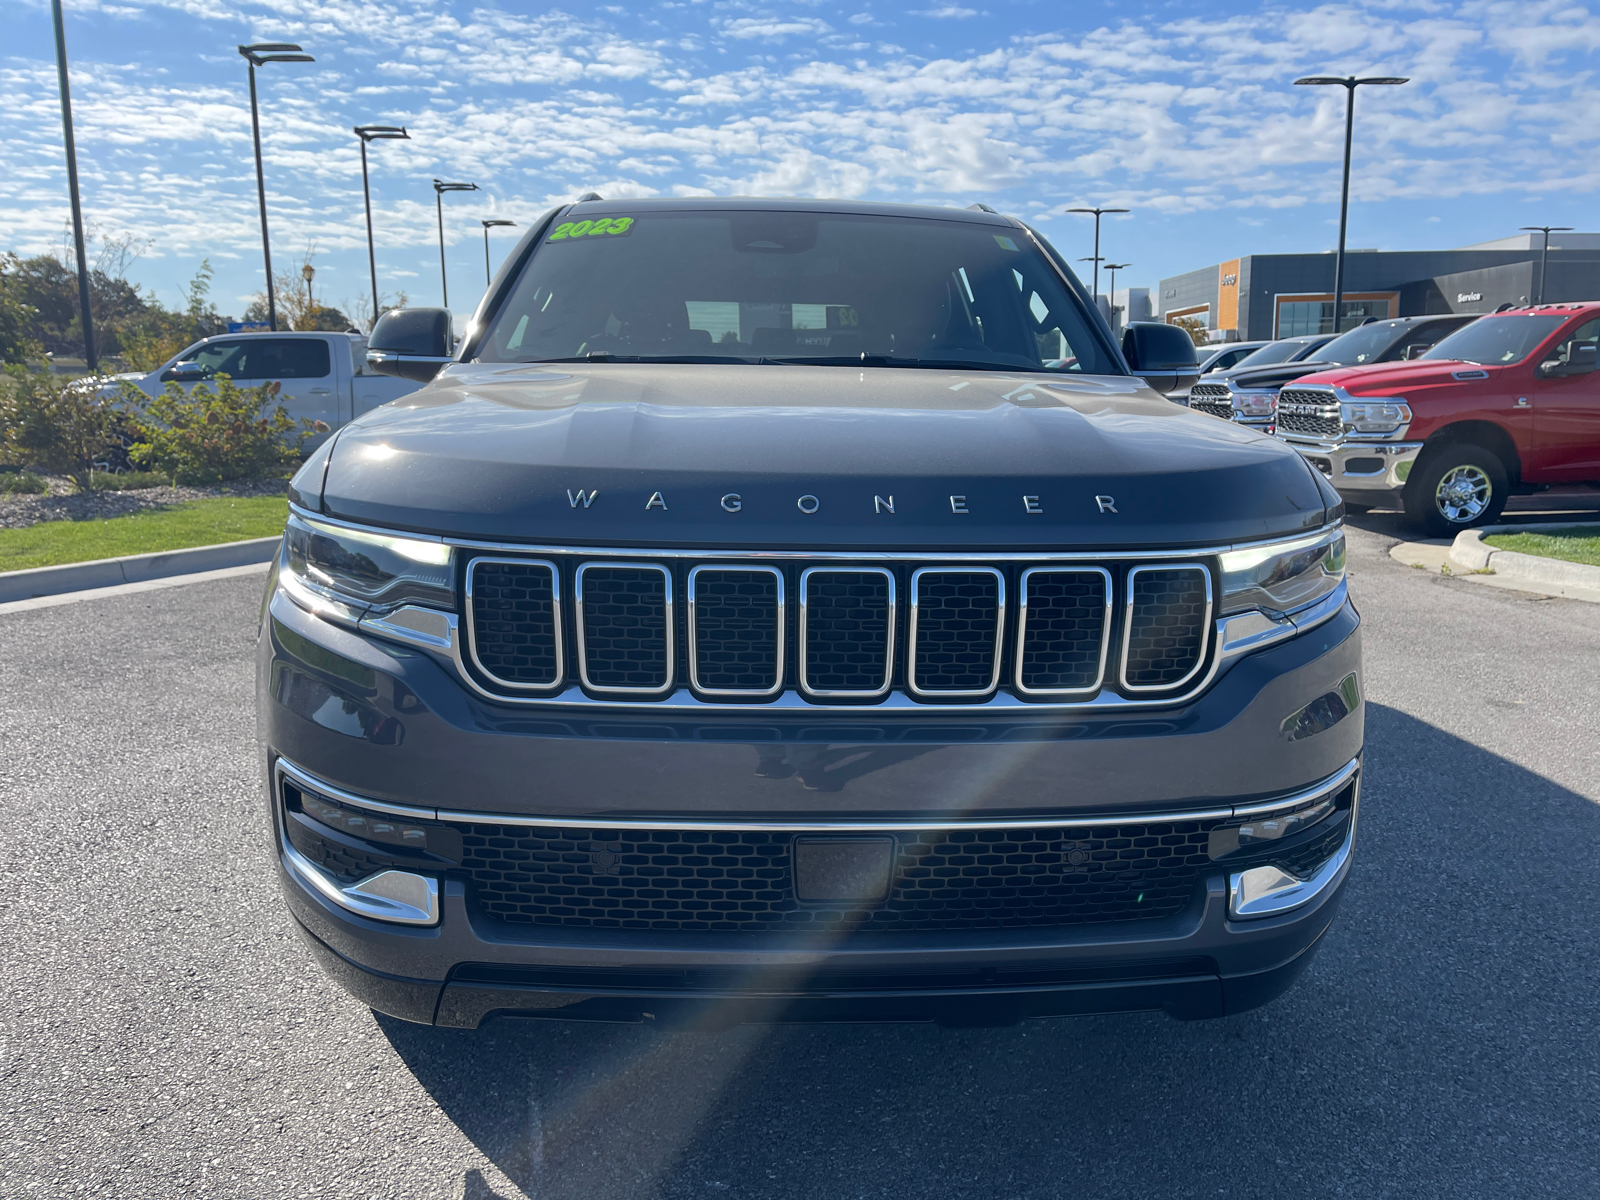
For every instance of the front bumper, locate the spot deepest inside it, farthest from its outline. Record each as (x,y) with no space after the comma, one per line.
(1360,467)
(392,728)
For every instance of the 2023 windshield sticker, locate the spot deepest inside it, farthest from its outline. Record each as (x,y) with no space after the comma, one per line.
(571,231)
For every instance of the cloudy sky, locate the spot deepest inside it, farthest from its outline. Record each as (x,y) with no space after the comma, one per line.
(1184,113)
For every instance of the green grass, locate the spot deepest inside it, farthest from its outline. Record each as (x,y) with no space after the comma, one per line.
(1573,545)
(197,523)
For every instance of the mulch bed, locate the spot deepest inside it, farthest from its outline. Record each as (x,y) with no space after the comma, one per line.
(63,504)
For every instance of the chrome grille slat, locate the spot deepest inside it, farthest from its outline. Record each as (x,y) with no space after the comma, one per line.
(1063,631)
(957,621)
(513,608)
(1310,412)
(736,630)
(846,632)
(1166,625)
(625,627)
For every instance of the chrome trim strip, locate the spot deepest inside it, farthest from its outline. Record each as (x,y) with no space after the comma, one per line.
(1269,892)
(1022,632)
(1127,628)
(1333,783)
(724,553)
(555,616)
(888,656)
(283,767)
(999,630)
(694,657)
(400,897)
(668,615)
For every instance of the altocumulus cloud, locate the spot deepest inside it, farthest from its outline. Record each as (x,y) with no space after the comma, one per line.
(1174,116)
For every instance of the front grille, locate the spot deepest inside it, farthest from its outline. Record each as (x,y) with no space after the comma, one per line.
(1169,612)
(936,633)
(625,627)
(846,632)
(1212,399)
(943,879)
(1310,412)
(956,621)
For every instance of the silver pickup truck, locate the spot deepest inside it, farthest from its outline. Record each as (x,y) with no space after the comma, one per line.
(321,376)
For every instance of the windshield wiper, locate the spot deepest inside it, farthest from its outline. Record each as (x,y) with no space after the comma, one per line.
(889,360)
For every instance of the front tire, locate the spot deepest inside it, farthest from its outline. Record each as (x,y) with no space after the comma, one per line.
(1454,487)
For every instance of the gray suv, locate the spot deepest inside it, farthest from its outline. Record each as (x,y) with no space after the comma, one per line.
(800,610)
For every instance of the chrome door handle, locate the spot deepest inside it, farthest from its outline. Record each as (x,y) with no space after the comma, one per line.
(321,391)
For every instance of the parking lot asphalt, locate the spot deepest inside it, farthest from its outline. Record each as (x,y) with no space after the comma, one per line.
(163,1033)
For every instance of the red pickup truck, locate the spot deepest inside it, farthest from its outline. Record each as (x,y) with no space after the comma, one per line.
(1508,404)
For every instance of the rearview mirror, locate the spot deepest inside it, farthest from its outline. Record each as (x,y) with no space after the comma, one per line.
(1163,354)
(412,343)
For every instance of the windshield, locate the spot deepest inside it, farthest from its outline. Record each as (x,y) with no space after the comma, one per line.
(1364,344)
(784,286)
(1272,352)
(1496,341)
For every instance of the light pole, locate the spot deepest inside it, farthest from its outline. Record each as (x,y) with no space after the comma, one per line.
(1350,83)
(486,225)
(374,133)
(259,55)
(1112,269)
(308,273)
(1544,259)
(90,360)
(439,189)
(1098,213)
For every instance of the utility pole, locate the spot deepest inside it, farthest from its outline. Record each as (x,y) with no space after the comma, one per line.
(1544,258)
(439,189)
(1112,269)
(374,133)
(1350,83)
(1098,212)
(259,55)
(90,358)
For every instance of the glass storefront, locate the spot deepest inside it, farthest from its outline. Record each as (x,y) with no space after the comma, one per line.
(1298,318)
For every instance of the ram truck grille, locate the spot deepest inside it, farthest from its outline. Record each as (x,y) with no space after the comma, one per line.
(1212,399)
(1310,412)
(834,634)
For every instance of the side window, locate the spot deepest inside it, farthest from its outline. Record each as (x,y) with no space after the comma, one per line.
(219,358)
(291,358)
(1575,354)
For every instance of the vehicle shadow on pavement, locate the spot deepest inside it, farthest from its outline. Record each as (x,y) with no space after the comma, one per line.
(1442,1043)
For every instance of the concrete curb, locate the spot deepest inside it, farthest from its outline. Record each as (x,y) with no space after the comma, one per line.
(1469,551)
(134,568)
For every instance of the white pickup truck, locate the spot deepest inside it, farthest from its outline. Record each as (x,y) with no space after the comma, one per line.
(321,376)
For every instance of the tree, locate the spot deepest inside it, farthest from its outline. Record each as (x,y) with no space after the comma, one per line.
(17,343)
(62,428)
(1194,327)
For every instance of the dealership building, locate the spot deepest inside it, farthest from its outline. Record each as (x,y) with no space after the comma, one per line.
(1263,296)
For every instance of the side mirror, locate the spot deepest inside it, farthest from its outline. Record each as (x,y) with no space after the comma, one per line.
(184,372)
(412,343)
(1163,354)
(1580,361)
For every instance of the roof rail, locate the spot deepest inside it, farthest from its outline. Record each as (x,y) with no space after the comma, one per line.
(588,196)
(980,206)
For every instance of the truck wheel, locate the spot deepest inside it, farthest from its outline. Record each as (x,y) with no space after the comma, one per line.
(1456,487)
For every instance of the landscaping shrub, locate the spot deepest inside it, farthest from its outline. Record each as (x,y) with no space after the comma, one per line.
(213,433)
(22,483)
(61,428)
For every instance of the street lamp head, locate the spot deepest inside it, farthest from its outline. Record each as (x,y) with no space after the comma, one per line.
(1349,81)
(265,52)
(439,186)
(1117,266)
(377,133)
(1548,228)
(1091,258)
(492,224)
(1391,80)
(307,272)
(1097,211)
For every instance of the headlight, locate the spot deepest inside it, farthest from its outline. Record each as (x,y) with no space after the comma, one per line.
(359,570)
(1280,577)
(1375,416)
(1255,404)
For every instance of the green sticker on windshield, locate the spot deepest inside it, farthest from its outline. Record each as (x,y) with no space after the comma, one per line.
(1004,243)
(570,231)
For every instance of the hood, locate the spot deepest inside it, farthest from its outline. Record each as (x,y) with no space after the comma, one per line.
(1275,375)
(1385,379)
(751,456)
